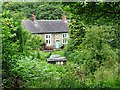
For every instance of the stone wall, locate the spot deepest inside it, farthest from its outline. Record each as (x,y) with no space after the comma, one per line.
(54,37)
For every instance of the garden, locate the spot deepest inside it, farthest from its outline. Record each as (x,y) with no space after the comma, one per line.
(92,51)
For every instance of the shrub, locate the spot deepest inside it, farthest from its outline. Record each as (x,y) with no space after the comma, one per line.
(94,49)
(106,77)
(37,74)
(48,48)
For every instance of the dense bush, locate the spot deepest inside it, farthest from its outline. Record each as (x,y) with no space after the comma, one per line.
(94,49)
(37,74)
(43,10)
(15,43)
(105,76)
(95,46)
(97,57)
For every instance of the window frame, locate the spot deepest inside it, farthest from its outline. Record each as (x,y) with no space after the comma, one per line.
(64,39)
(49,39)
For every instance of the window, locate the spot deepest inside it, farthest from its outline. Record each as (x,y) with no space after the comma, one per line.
(64,38)
(48,39)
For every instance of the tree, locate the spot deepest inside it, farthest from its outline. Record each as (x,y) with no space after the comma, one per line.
(85,15)
(49,11)
(43,10)
(96,13)
(89,48)
(15,44)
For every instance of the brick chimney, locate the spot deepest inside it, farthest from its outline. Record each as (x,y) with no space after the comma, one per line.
(33,17)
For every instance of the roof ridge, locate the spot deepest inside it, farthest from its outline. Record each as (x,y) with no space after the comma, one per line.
(48,20)
(45,20)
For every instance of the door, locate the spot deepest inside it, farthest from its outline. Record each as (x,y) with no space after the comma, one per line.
(57,44)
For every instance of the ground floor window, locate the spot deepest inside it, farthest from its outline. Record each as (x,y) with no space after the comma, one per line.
(48,39)
(64,38)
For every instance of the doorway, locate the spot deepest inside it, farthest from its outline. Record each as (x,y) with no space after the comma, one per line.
(57,44)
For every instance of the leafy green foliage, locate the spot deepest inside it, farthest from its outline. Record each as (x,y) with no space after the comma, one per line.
(92,51)
(60,52)
(96,13)
(105,76)
(77,29)
(38,74)
(94,46)
(43,10)
(49,11)
(8,36)
(32,42)
(14,45)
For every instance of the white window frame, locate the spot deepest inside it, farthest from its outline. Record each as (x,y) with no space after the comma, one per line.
(64,39)
(49,39)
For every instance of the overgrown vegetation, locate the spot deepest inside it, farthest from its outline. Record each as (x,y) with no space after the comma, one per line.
(16,42)
(92,49)
(94,41)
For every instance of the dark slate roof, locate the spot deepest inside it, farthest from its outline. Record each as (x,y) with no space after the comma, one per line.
(46,26)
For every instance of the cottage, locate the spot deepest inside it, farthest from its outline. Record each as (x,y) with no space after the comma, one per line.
(55,32)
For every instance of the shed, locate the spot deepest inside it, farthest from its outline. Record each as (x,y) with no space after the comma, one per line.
(56,59)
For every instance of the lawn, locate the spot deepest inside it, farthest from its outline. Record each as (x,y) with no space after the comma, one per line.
(60,52)
(46,54)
